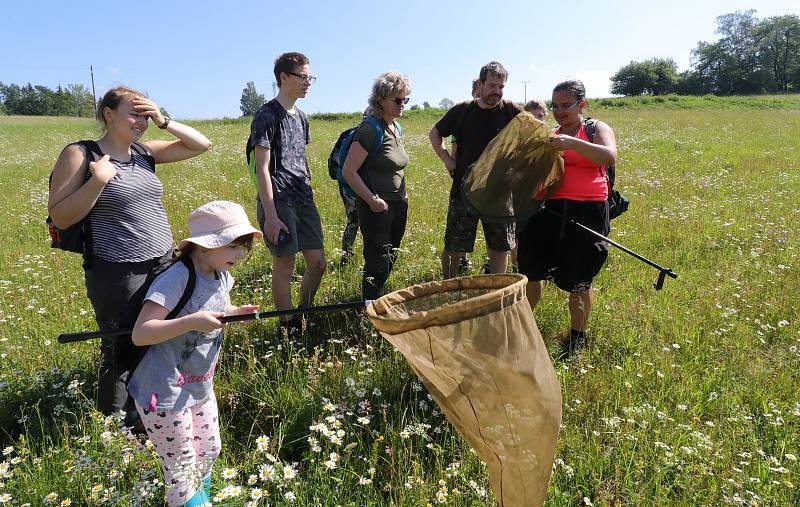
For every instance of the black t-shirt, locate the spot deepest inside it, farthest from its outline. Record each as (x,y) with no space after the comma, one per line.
(473,128)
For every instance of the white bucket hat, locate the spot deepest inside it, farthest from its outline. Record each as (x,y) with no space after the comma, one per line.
(217,224)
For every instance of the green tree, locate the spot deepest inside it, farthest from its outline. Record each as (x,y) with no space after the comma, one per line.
(656,76)
(251,100)
(779,51)
(446,103)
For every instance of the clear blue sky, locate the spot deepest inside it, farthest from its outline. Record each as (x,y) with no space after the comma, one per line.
(195,57)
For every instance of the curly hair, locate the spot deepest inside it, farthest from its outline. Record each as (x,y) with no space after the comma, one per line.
(386,85)
(493,69)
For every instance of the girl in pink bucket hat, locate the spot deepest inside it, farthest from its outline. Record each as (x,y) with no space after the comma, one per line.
(173,384)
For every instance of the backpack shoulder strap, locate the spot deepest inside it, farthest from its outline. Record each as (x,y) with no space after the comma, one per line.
(399,129)
(144,152)
(187,291)
(591,126)
(378,126)
(89,146)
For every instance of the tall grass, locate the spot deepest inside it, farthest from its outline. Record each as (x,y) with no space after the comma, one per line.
(687,396)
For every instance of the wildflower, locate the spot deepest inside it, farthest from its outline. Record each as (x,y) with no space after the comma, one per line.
(364,481)
(66,502)
(252,479)
(587,501)
(8,450)
(289,472)
(50,498)
(6,498)
(404,434)
(330,464)
(289,496)
(266,472)
(790,456)
(256,494)
(229,474)
(330,407)
(363,420)
(263,443)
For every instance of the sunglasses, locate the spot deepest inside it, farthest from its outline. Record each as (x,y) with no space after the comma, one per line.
(401,100)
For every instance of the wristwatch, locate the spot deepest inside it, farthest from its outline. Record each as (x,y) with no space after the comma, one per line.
(166,122)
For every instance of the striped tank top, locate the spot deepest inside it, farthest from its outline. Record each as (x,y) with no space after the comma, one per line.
(128,222)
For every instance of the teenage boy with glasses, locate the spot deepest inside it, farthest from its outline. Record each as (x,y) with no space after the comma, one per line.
(474,124)
(285,202)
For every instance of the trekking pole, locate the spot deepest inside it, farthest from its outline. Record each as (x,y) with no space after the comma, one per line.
(663,272)
(88,335)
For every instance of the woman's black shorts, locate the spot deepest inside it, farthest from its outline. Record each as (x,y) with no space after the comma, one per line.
(552,248)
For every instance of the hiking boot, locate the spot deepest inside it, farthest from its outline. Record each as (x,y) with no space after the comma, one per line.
(574,345)
(292,329)
(463,265)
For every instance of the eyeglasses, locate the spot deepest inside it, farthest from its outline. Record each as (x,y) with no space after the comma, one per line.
(558,109)
(305,79)
(401,100)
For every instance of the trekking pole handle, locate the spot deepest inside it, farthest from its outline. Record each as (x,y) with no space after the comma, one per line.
(89,335)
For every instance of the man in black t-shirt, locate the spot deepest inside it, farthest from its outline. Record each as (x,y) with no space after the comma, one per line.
(473,124)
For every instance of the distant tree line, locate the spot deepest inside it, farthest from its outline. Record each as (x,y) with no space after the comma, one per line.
(74,100)
(752,56)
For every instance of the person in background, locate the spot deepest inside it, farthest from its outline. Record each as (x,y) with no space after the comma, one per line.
(463,263)
(122,204)
(380,185)
(285,204)
(551,249)
(537,108)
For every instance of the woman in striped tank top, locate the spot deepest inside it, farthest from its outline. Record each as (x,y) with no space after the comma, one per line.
(117,192)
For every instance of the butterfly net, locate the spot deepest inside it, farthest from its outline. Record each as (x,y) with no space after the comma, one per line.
(475,346)
(514,174)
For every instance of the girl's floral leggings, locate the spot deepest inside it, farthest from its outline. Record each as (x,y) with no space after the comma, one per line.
(187,443)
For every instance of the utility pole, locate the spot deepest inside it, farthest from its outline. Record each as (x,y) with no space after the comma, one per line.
(525,83)
(94,96)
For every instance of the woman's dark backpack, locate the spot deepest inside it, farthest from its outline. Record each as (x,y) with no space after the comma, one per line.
(617,203)
(77,237)
(127,354)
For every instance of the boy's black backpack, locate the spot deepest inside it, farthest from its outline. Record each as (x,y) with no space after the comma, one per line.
(127,355)
(617,203)
(77,237)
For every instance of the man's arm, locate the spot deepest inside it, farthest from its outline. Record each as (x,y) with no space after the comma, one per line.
(437,142)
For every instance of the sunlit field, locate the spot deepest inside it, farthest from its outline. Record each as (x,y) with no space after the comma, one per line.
(687,396)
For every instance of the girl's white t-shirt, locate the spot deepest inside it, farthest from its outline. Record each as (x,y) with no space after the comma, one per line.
(179,372)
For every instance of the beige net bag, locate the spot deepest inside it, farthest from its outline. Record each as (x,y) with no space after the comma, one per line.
(474,344)
(503,184)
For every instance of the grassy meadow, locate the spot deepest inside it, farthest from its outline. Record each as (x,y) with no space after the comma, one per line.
(687,396)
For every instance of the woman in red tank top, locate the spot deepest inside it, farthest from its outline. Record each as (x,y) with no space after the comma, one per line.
(551,249)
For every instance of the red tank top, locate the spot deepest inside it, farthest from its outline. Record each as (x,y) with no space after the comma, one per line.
(584,180)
